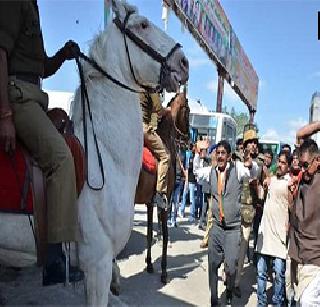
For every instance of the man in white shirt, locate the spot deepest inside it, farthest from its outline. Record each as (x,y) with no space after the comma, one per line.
(224,239)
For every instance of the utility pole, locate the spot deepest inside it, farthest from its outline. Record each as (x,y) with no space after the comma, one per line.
(220,89)
(251,117)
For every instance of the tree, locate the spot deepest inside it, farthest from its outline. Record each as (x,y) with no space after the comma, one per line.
(240,118)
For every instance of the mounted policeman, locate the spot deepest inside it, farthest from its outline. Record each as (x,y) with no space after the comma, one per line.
(151,104)
(23,107)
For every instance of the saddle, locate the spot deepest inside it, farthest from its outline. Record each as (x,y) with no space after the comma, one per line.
(149,163)
(22,185)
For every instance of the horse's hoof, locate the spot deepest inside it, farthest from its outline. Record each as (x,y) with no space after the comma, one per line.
(150,268)
(115,291)
(164,279)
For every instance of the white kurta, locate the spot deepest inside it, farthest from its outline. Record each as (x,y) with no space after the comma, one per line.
(272,234)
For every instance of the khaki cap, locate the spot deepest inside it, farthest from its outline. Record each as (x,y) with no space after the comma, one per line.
(249,135)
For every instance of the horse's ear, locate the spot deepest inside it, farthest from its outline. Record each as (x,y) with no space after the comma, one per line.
(122,8)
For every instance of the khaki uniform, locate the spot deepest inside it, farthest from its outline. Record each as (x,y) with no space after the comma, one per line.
(150,103)
(249,199)
(21,37)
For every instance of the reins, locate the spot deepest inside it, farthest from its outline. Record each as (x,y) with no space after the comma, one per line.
(85,102)
(179,132)
(185,135)
(84,99)
(97,67)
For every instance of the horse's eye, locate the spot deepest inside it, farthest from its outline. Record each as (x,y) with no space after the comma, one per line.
(144,24)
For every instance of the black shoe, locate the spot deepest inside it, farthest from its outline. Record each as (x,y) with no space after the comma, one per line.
(228,297)
(200,227)
(56,273)
(237,292)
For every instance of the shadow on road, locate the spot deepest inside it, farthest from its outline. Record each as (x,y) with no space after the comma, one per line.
(178,267)
(183,233)
(247,281)
(135,246)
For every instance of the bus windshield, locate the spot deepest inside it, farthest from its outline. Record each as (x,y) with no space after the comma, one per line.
(273,146)
(203,127)
(213,127)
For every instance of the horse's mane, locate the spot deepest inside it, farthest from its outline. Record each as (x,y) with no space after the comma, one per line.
(96,46)
(172,100)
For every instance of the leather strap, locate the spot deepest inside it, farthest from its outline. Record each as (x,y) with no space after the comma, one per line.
(27,180)
(39,212)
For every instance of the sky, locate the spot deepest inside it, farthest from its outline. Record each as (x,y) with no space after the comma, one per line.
(278,36)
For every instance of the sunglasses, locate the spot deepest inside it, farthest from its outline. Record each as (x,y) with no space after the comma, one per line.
(254,141)
(305,164)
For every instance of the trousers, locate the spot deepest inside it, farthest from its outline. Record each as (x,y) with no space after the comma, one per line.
(49,149)
(153,141)
(245,235)
(223,246)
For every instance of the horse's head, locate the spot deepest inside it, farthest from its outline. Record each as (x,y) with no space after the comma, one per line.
(154,59)
(180,114)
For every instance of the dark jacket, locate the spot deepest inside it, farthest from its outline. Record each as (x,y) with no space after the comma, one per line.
(304,242)
(231,197)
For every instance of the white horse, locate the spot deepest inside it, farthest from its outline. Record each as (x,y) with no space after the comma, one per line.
(150,59)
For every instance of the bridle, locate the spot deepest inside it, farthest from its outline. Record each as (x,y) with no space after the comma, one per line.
(163,60)
(165,68)
(181,135)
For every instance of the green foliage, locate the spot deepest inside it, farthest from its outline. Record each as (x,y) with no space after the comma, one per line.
(241,119)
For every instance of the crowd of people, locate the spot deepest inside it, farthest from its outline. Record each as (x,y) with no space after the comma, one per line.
(249,191)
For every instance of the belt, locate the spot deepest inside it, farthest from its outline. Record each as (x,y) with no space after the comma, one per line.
(34,79)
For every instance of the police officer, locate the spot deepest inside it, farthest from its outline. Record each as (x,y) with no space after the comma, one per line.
(249,200)
(23,106)
(151,103)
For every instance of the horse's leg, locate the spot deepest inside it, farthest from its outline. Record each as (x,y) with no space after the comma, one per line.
(159,230)
(98,273)
(115,281)
(149,238)
(164,217)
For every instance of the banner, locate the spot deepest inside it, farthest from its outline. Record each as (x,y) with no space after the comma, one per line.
(210,26)
(242,73)
(208,17)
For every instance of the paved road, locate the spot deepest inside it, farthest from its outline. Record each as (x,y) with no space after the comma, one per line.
(187,270)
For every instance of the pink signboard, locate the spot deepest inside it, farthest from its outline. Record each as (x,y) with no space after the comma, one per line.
(208,19)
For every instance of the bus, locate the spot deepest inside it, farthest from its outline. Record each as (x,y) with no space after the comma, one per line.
(273,145)
(212,126)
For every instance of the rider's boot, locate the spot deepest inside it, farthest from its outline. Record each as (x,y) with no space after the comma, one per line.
(160,199)
(54,270)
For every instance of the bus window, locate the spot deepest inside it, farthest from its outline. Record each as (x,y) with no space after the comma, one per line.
(274,147)
(199,120)
(203,133)
(213,127)
(229,133)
